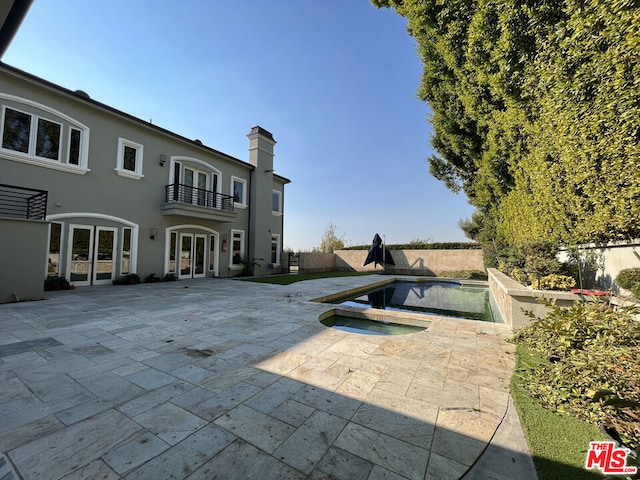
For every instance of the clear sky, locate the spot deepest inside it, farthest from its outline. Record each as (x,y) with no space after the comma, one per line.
(335,81)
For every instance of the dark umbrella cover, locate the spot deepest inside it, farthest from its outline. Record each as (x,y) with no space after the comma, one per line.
(376,253)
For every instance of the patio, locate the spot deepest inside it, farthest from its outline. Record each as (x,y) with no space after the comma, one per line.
(227,379)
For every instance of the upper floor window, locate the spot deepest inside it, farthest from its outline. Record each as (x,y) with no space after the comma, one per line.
(276,202)
(56,142)
(239,191)
(129,161)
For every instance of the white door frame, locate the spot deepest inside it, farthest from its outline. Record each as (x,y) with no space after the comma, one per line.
(89,260)
(96,258)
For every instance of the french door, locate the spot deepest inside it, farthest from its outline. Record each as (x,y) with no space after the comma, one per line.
(193,255)
(91,254)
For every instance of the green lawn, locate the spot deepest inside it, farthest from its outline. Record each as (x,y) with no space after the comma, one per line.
(289,279)
(557,442)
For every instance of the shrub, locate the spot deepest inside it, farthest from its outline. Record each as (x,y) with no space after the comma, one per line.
(169,277)
(151,278)
(590,348)
(56,283)
(130,279)
(629,278)
(465,274)
(554,282)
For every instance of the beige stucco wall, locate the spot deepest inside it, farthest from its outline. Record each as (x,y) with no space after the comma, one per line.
(614,257)
(414,262)
(23,256)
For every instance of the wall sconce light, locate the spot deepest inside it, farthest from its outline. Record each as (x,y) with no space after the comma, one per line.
(163,160)
(269,171)
(152,234)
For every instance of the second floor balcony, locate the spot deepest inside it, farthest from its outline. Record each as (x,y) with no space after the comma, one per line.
(188,201)
(21,202)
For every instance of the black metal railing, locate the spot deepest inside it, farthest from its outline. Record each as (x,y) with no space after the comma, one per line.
(177,192)
(21,202)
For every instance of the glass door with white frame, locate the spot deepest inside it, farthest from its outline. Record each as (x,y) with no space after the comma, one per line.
(104,256)
(199,255)
(80,259)
(186,256)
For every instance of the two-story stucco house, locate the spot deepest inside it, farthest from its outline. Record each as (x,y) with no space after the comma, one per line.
(126,196)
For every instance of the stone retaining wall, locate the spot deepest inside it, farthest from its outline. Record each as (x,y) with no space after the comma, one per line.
(414,262)
(514,299)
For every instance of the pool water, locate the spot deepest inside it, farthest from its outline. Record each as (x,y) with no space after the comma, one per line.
(368,327)
(445,299)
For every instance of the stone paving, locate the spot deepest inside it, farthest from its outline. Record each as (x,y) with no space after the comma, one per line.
(226,379)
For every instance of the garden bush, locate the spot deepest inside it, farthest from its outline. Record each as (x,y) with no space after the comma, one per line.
(593,362)
(56,283)
(130,279)
(629,278)
(554,282)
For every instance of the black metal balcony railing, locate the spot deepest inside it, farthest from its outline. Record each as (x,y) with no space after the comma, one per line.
(198,196)
(21,202)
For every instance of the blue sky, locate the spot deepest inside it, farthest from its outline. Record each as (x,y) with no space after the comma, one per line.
(334,81)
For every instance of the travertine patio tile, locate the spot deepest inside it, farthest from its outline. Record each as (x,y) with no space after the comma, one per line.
(274,395)
(366,364)
(396,380)
(442,398)
(443,468)
(242,461)
(338,464)
(283,363)
(61,452)
(170,422)
(135,452)
(192,374)
(154,398)
(308,444)
(292,412)
(379,473)
(388,452)
(311,376)
(358,384)
(186,457)
(150,379)
(255,427)
(329,402)
(17,436)
(235,352)
(222,402)
(95,469)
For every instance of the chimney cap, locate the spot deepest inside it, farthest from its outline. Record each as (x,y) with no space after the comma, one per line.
(261,131)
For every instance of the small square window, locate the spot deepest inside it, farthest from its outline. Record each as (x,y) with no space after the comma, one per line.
(239,191)
(129,162)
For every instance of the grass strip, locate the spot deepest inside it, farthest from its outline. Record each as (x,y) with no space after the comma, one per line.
(289,279)
(558,442)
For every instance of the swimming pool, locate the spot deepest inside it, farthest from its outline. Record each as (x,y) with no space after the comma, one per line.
(447,299)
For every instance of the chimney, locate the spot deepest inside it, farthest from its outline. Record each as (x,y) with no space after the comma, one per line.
(261,219)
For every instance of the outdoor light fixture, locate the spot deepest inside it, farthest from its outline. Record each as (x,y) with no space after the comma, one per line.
(153,233)
(268,171)
(163,160)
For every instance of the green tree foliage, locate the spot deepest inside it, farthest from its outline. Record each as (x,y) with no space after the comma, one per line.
(330,241)
(536,113)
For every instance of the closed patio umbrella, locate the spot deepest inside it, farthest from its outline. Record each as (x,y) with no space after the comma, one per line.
(378,253)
